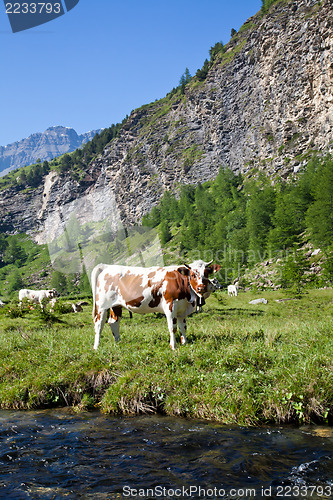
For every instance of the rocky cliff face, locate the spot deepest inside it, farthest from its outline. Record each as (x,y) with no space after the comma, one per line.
(266,104)
(53,142)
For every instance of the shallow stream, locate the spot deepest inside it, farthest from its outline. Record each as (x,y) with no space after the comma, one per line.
(56,454)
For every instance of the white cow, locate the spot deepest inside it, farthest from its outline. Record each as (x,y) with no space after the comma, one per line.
(232,290)
(37,295)
(53,303)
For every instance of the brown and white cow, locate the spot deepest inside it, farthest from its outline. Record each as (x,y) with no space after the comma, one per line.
(205,269)
(170,290)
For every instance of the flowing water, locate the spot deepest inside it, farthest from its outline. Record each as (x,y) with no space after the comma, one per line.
(57,454)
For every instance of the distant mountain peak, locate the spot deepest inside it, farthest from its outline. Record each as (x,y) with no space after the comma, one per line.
(54,141)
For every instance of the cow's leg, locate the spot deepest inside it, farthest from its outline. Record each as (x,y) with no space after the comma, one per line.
(172,325)
(182,328)
(114,321)
(99,322)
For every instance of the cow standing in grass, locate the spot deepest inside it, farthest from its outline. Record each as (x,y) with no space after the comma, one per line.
(232,290)
(37,296)
(172,290)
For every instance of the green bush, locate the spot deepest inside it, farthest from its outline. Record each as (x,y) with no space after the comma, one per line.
(293,275)
(266,4)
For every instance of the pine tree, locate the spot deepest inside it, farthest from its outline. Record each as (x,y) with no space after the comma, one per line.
(59,282)
(320,214)
(165,232)
(84,284)
(22,178)
(15,281)
(328,265)
(46,167)
(288,220)
(184,80)
(293,273)
(202,73)
(215,50)
(153,218)
(14,252)
(259,214)
(66,163)
(3,246)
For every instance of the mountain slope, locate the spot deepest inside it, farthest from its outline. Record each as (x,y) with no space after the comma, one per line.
(46,145)
(266,103)
(262,103)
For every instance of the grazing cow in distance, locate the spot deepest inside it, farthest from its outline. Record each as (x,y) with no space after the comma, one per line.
(170,290)
(232,290)
(53,303)
(77,307)
(37,295)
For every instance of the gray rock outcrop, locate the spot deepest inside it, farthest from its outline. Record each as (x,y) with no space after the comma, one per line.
(265,105)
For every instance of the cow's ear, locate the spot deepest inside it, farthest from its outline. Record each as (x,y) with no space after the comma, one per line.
(184,270)
(212,269)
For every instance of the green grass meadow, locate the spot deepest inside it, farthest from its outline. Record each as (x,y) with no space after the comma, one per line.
(243,364)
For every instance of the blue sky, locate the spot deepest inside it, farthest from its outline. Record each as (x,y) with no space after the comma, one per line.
(98,62)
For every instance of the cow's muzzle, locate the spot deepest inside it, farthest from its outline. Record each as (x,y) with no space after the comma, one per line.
(201,289)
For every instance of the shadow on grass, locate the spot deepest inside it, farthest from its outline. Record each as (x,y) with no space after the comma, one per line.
(206,315)
(223,313)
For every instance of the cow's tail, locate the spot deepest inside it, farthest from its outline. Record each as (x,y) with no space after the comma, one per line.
(94,275)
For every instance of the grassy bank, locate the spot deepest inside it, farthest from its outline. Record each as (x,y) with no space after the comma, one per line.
(244,364)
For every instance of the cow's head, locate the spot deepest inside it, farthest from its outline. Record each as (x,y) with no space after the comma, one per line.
(205,268)
(214,285)
(197,281)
